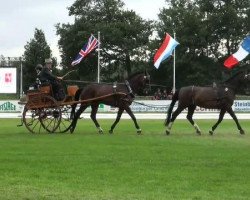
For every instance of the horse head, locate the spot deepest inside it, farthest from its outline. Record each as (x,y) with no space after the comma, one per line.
(139,82)
(238,80)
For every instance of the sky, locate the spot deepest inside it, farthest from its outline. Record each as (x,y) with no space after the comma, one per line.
(19,18)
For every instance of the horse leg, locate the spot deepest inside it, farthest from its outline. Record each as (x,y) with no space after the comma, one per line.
(222,113)
(93,117)
(190,118)
(174,115)
(72,113)
(131,114)
(73,107)
(76,117)
(231,112)
(119,114)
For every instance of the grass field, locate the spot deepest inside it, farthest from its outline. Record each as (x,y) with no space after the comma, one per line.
(86,165)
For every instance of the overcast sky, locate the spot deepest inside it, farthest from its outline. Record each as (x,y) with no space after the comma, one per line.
(19,18)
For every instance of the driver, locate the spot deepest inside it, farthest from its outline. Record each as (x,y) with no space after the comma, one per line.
(46,77)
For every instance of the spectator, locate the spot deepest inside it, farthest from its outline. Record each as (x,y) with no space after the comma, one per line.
(157,95)
(170,95)
(164,95)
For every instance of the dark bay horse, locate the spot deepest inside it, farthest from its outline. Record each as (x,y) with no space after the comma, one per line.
(215,97)
(122,95)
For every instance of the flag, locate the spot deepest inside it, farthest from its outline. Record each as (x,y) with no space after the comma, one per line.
(242,52)
(165,50)
(87,48)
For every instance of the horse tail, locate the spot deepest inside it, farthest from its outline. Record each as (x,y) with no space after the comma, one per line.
(78,93)
(76,98)
(170,109)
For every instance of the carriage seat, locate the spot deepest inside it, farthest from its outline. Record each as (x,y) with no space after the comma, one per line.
(71,91)
(46,89)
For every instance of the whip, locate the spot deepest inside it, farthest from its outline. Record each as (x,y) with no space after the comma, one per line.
(68,73)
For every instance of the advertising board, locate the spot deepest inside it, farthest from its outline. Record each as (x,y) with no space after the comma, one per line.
(8,80)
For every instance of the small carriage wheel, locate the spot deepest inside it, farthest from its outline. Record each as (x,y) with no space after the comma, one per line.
(31,119)
(66,119)
(42,112)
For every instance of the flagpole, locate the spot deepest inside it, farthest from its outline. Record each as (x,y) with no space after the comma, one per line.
(98,63)
(174,69)
(21,77)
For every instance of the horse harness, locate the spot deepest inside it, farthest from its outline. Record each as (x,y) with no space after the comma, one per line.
(193,95)
(130,92)
(129,89)
(221,93)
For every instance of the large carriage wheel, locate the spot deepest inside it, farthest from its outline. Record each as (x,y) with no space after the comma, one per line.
(42,112)
(66,119)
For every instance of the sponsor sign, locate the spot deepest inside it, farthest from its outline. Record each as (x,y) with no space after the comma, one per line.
(241,106)
(8,80)
(10,106)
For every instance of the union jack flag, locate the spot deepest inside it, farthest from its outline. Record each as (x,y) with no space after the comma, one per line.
(87,48)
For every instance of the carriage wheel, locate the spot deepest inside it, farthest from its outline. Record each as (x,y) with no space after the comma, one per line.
(66,120)
(32,120)
(40,113)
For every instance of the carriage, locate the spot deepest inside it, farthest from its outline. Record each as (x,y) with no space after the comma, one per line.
(43,112)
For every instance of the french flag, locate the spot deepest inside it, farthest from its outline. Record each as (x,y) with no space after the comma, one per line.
(243,51)
(165,50)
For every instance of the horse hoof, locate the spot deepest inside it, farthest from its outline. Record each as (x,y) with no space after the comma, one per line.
(139,131)
(167,132)
(101,132)
(110,131)
(211,132)
(198,132)
(242,132)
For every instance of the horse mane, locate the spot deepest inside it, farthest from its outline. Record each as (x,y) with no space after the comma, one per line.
(134,74)
(232,77)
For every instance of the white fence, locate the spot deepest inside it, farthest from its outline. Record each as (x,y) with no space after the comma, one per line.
(148,109)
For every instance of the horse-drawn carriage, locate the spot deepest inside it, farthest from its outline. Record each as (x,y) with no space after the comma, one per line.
(43,112)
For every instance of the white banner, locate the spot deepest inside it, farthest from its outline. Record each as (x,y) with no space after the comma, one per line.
(8,80)
(161,106)
(147,106)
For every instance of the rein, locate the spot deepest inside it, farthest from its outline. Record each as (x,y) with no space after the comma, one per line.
(151,106)
(108,83)
(94,99)
(88,82)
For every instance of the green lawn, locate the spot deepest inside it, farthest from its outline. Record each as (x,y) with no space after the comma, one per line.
(86,165)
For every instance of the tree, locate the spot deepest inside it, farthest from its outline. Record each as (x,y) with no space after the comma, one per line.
(228,23)
(124,37)
(207,31)
(36,50)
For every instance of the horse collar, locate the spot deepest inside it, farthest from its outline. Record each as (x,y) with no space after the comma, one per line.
(114,86)
(193,95)
(129,88)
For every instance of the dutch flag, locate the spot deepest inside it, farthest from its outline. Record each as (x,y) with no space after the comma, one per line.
(243,51)
(165,50)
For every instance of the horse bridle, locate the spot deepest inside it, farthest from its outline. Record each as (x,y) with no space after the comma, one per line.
(246,76)
(147,78)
